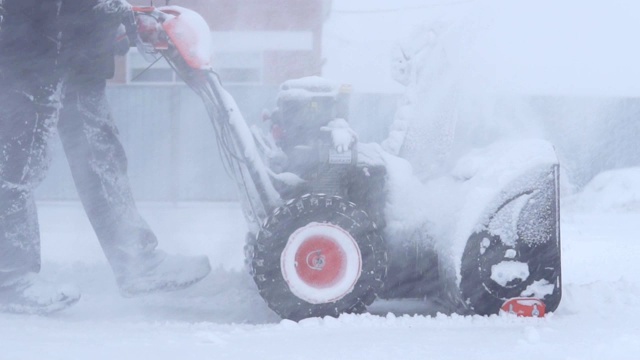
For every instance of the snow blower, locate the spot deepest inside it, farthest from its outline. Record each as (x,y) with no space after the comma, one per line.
(325,233)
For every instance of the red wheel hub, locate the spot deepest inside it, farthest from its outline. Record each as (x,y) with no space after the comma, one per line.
(320,261)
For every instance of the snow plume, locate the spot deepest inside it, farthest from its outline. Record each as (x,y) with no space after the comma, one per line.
(446,210)
(425,121)
(451,101)
(508,70)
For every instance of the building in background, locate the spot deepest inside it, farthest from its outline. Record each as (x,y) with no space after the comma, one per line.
(255,42)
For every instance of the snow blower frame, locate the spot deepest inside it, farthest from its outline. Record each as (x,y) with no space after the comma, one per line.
(316,243)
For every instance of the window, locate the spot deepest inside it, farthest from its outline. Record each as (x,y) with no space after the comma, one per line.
(239,67)
(233,68)
(239,57)
(138,70)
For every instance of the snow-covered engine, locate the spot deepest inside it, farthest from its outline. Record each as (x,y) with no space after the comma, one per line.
(310,126)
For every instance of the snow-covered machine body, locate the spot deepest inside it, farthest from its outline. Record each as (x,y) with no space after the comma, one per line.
(335,224)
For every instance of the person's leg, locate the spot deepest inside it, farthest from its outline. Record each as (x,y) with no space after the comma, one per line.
(26,124)
(99,167)
(29,104)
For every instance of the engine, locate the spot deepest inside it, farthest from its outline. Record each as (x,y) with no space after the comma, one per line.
(304,107)
(301,128)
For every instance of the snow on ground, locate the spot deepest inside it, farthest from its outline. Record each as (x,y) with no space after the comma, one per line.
(610,191)
(224,318)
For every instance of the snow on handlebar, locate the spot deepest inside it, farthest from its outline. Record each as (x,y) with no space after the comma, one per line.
(157,29)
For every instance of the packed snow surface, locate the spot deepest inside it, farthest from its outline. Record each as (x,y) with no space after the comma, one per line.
(224,318)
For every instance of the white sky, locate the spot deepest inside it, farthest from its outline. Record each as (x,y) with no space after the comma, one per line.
(569,47)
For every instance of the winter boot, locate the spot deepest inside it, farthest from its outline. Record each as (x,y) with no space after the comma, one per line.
(160,272)
(29,294)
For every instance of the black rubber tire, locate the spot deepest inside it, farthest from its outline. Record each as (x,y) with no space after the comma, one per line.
(537,245)
(266,249)
(485,296)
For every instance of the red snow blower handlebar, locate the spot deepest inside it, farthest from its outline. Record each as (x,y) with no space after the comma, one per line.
(183,38)
(153,29)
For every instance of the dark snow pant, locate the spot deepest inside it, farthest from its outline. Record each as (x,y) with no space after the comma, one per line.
(39,97)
